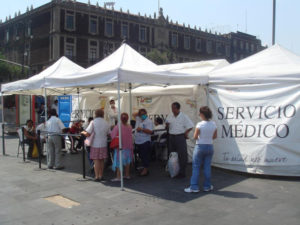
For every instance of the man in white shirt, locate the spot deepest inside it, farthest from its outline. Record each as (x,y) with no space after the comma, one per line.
(179,126)
(54,125)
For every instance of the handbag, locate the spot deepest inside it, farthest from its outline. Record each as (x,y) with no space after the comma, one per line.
(35,151)
(89,140)
(114,144)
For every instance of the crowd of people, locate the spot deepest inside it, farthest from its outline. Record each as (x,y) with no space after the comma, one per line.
(137,143)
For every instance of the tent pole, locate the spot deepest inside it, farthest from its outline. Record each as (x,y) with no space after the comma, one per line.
(130,103)
(207,93)
(78,102)
(120,136)
(3,126)
(46,117)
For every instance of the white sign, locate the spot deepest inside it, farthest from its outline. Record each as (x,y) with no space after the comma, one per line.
(258,128)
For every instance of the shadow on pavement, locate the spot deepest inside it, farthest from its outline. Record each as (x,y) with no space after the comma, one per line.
(158,184)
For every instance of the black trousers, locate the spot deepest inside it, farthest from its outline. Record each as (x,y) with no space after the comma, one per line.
(177,143)
(144,151)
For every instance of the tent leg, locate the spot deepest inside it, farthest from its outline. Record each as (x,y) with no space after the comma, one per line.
(78,102)
(130,103)
(46,117)
(207,97)
(3,126)
(120,137)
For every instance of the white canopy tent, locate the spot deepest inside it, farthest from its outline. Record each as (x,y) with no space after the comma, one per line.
(35,84)
(274,64)
(256,105)
(122,68)
(125,65)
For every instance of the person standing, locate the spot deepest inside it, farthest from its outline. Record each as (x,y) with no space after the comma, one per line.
(55,106)
(112,114)
(98,153)
(54,125)
(205,132)
(179,126)
(127,148)
(41,113)
(143,131)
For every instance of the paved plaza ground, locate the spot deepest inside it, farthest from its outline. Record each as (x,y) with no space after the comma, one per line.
(238,199)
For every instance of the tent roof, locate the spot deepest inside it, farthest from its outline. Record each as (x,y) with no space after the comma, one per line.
(127,66)
(201,68)
(270,65)
(33,85)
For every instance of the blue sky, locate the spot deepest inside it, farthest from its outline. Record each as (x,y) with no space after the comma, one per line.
(253,16)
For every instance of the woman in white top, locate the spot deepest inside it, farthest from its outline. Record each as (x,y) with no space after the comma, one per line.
(99,128)
(205,132)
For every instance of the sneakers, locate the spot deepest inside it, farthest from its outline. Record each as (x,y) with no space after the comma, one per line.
(209,189)
(190,190)
(115,180)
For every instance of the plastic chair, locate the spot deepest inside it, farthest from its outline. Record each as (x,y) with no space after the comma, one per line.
(161,143)
(21,141)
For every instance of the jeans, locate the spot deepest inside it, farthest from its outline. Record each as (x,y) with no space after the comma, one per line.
(202,155)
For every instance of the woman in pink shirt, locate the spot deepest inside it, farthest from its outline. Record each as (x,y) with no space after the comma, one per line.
(127,148)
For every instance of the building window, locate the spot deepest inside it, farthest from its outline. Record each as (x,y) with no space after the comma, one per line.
(143,34)
(93,25)
(252,47)
(247,46)
(93,51)
(124,30)
(198,45)
(70,48)
(234,43)
(70,21)
(7,36)
(109,32)
(143,51)
(29,29)
(209,47)
(218,48)
(227,51)
(174,40)
(235,57)
(187,42)
(108,48)
(241,45)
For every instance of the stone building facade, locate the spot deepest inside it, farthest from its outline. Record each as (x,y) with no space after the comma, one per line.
(87,33)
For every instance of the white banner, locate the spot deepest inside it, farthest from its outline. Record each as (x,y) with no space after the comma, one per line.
(258,128)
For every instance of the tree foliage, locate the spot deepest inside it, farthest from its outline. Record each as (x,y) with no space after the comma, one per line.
(160,57)
(9,72)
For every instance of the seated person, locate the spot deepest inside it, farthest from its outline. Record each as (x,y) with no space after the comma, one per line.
(76,129)
(30,137)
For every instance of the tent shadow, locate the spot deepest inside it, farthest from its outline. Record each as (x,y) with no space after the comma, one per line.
(234,194)
(158,185)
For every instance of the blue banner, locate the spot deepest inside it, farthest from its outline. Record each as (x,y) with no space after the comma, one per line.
(65,109)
